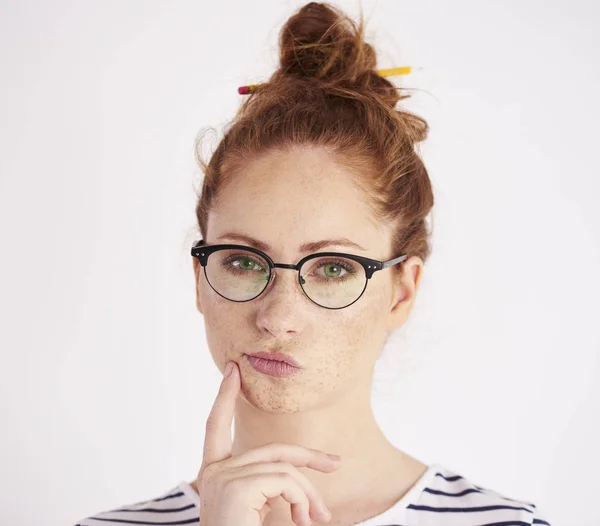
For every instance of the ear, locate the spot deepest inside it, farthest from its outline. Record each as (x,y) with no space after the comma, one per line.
(197,270)
(404,292)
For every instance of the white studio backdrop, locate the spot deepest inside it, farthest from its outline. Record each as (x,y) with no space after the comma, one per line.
(106,377)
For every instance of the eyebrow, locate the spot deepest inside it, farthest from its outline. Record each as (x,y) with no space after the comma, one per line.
(314,246)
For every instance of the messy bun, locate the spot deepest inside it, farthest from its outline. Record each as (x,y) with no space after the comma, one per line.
(327,92)
(320,42)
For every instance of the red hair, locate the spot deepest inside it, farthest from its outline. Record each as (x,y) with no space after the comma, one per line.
(327,93)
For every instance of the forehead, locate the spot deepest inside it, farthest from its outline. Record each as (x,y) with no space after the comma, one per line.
(286,198)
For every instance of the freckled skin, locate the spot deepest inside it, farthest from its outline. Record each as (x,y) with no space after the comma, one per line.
(285,199)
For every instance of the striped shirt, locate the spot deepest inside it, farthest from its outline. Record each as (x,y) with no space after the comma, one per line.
(439,498)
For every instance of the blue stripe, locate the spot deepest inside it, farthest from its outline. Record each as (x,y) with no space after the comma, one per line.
(158,510)
(187,521)
(466,510)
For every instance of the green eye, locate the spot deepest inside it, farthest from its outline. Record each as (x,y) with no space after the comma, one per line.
(248,263)
(332,265)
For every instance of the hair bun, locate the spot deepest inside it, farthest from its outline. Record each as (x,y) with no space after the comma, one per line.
(320,41)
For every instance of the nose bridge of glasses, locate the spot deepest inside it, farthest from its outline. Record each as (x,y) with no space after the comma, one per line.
(286,266)
(283,265)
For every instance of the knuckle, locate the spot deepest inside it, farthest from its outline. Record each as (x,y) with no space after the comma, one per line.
(210,472)
(285,477)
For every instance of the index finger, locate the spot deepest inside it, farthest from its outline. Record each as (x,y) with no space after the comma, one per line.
(217,440)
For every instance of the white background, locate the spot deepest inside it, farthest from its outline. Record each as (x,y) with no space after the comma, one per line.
(106,379)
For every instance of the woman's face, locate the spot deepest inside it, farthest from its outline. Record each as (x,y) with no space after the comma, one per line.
(284,200)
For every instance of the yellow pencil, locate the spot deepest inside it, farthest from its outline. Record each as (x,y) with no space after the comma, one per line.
(389,72)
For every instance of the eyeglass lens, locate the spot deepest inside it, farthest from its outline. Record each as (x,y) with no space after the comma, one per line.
(240,275)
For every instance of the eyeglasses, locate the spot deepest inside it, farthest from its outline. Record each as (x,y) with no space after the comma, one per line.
(332,280)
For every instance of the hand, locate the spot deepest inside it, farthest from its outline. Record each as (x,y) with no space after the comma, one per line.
(236,490)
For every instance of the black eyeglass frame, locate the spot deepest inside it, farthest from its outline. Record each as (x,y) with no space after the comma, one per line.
(201,252)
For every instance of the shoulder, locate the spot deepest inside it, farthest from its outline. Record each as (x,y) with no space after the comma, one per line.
(179,505)
(450,496)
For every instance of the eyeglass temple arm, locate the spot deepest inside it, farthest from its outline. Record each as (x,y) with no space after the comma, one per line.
(391,262)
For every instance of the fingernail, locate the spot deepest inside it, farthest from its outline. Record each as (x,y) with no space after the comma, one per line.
(228,369)
(334,457)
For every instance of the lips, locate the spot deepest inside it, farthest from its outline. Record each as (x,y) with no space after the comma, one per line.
(276,356)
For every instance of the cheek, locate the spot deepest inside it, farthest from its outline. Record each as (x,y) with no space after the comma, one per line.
(370,322)
(355,336)
(221,326)
(216,310)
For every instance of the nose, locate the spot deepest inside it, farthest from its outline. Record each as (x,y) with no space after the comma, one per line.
(293,277)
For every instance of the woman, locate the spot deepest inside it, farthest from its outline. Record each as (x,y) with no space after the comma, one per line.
(314,193)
